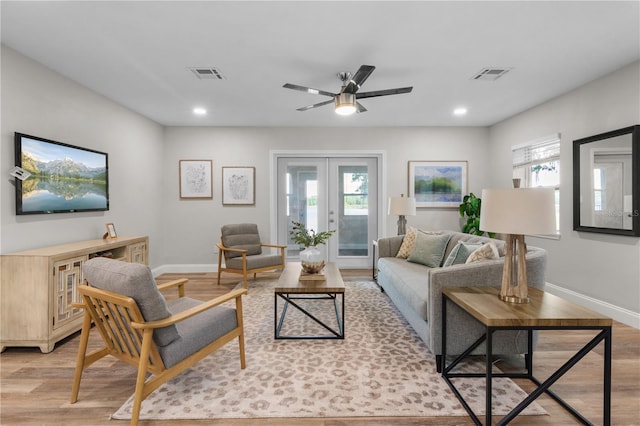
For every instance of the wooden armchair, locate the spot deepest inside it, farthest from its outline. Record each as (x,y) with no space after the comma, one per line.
(139,327)
(242,250)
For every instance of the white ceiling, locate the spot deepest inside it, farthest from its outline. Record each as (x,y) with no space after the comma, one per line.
(139,55)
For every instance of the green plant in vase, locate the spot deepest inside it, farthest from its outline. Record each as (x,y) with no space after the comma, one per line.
(470,208)
(310,258)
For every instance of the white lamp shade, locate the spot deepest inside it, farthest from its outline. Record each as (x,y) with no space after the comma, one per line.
(402,206)
(518,211)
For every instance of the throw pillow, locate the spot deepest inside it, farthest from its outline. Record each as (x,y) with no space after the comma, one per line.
(429,249)
(461,253)
(488,251)
(407,243)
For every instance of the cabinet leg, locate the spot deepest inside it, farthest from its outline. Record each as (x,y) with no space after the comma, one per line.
(45,349)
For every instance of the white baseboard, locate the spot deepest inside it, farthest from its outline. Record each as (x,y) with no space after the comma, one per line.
(617,313)
(184,268)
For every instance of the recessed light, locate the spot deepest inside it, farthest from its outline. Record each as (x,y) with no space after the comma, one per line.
(199,111)
(460,111)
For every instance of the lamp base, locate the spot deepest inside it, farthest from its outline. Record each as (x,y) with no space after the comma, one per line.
(515,299)
(514,276)
(402,225)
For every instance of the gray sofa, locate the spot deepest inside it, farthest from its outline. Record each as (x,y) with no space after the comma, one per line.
(416,291)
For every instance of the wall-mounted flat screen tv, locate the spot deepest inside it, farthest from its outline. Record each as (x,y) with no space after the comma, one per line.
(64,178)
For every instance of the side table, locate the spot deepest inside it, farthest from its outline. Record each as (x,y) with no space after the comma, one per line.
(545,312)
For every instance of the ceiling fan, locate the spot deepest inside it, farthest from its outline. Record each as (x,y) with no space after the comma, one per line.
(346,101)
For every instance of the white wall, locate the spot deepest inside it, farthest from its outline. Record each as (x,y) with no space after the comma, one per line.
(42,103)
(600,270)
(582,265)
(193,226)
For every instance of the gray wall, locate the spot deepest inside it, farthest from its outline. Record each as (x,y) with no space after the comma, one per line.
(42,103)
(603,267)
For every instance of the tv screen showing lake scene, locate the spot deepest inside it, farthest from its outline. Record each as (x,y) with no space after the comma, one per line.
(63,178)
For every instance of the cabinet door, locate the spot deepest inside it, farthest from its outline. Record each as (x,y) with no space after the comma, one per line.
(67,275)
(138,253)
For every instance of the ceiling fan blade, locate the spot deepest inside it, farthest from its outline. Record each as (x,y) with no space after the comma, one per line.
(359,78)
(386,92)
(314,105)
(360,107)
(308,90)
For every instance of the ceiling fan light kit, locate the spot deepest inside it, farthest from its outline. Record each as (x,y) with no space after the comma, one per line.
(346,101)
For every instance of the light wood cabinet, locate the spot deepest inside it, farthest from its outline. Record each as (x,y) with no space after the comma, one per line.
(39,286)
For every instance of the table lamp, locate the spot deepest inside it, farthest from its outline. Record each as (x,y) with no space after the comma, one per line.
(516,212)
(402,206)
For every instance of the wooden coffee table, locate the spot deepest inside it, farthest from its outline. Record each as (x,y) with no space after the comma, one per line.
(290,288)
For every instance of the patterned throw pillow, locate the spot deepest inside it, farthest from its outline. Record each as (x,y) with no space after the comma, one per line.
(407,243)
(461,253)
(488,251)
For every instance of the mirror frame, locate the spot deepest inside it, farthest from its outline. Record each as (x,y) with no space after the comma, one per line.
(634,131)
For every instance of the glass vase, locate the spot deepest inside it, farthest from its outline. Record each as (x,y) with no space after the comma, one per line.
(311,259)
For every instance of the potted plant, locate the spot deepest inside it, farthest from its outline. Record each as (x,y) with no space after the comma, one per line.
(310,258)
(470,207)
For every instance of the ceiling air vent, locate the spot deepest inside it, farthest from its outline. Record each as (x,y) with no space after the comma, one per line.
(207,73)
(491,74)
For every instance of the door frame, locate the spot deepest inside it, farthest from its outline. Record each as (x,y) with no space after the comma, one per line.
(274,155)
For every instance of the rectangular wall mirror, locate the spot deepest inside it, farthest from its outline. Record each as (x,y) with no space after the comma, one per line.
(606,182)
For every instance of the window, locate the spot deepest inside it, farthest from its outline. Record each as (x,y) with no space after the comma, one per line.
(355,198)
(537,164)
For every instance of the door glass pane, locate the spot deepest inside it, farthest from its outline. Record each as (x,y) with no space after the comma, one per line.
(353,211)
(302,201)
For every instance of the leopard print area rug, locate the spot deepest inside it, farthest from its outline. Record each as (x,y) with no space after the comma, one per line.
(381,368)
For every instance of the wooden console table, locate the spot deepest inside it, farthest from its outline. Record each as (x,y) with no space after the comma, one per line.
(39,287)
(545,312)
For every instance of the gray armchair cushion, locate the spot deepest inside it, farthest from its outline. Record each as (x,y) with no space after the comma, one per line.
(197,331)
(136,281)
(255,262)
(243,236)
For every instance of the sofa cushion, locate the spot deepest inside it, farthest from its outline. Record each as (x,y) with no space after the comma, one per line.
(428,249)
(411,280)
(485,252)
(136,281)
(460,253)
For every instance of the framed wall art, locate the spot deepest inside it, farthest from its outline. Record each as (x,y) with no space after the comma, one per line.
(238,186)
(437,183)
(196,179)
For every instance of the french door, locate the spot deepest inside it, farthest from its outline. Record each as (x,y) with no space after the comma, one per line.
(330,193)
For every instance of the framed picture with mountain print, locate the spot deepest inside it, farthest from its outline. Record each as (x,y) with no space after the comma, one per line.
(438,183)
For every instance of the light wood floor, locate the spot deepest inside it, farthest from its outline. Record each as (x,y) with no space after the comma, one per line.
(35,387)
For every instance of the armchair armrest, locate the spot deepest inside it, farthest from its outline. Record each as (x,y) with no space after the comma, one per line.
(273,245)
(223,248)
(175,283)
(173,319)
